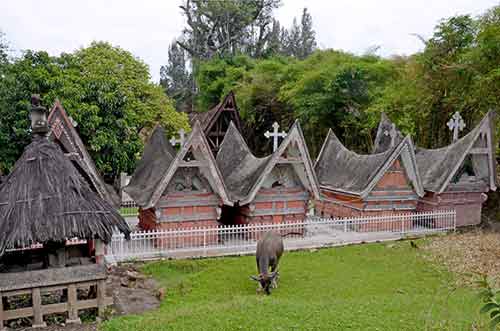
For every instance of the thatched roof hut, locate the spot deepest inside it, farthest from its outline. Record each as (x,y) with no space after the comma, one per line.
(45,199)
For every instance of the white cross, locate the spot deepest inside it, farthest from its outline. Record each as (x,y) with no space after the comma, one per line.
(181,139)
(275,135)
(456,123)
(392,133)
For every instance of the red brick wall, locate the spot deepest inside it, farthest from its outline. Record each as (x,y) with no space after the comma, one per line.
(468,205)
(277,205)
(191,240)
(179,216)
(393,183)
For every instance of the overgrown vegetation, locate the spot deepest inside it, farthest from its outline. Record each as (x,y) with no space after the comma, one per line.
(491,301)
(458,70)
(104,88)
(364,287)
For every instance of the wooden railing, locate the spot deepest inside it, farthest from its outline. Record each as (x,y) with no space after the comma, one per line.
(39,282)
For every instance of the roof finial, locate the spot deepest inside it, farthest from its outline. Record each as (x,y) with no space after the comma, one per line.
(275,135)
(38,115)
(456,123)
(392,133)
(181,139)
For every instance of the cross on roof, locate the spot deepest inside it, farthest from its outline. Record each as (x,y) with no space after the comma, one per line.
(392,133)
(180,141)
(275,135)
(456,123)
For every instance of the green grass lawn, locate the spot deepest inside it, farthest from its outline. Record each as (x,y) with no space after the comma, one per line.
(364,287)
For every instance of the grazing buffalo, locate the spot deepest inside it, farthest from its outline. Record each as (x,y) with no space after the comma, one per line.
(269,251)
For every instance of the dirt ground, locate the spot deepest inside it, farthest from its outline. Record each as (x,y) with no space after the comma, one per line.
(469,254)
(132,292)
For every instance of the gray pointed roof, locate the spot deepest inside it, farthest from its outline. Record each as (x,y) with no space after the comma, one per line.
(438,166)
(382,139)
(340,169)
(244,173)
(156,159)
(160,162)
(238,166)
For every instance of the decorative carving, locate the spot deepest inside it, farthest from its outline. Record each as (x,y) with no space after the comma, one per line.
(188,180)
(283,176)
(393,133)
(275,135)
(57,128)
(456,124)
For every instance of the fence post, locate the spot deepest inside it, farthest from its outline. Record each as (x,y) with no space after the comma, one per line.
(37,308)
(101,296)
(454,215)
(205,241)
(402,225)
(345,225)
(72,310)
(1,313)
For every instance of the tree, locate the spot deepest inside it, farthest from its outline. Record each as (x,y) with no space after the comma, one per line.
(307,36)
(327,90)
(3,50)
(275,40)
(300,40)
(293,40)
(176,78)
(226,28)
(104,88)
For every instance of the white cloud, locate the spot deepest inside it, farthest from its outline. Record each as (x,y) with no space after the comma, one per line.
(147,27)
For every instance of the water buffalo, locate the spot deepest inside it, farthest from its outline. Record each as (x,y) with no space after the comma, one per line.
(269,251)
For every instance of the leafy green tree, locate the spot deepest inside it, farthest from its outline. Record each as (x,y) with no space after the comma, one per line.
(259,103)
(328,89)
(104,88)
(217,77)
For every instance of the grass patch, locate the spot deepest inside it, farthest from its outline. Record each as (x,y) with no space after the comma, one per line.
(364,287)
(129,211)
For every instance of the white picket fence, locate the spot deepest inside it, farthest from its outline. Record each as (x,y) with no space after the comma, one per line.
(310,233)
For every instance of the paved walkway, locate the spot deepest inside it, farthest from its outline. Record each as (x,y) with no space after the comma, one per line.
(146,250)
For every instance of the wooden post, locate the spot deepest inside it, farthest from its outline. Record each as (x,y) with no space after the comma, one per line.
(99,251)
(72,305)
(37,308)
(1,313)
(101,298)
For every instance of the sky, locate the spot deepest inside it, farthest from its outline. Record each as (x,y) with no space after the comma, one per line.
(146,27)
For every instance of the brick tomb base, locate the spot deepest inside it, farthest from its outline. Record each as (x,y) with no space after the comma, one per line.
(468,205)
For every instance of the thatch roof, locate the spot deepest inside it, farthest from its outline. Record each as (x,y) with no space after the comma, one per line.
(45,199)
